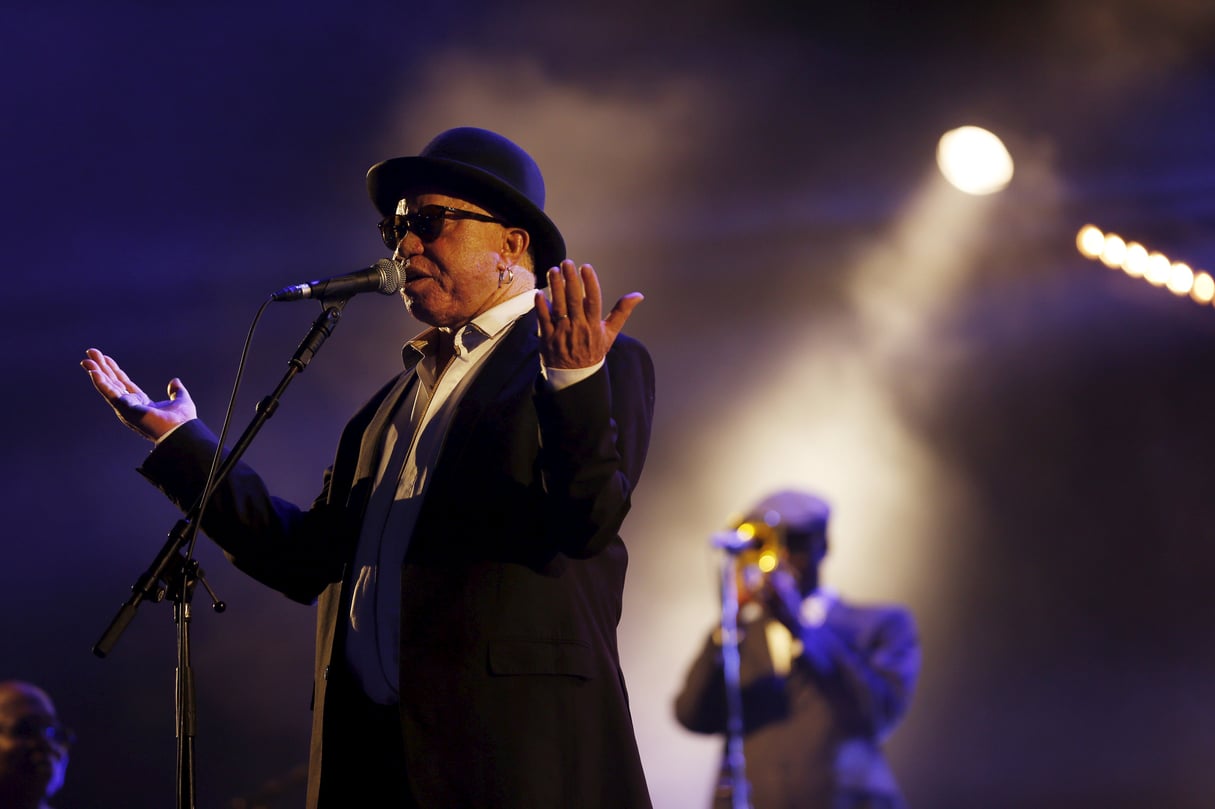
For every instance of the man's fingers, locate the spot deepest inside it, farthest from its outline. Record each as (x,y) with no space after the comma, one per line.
(109,374)
(592,295)
(569,293)
(556,291)
(621,311)
(122,377)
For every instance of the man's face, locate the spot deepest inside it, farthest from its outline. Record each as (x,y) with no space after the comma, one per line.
(804,555)
(453,278)
(32,764)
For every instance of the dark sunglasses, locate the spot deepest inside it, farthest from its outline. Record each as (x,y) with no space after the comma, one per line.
(427,223)
(29,730)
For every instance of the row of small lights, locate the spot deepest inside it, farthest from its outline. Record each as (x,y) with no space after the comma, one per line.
(1136,261)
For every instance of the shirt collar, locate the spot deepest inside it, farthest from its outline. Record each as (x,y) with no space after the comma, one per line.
(485,326)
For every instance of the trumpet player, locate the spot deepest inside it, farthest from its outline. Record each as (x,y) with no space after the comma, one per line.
(821,682)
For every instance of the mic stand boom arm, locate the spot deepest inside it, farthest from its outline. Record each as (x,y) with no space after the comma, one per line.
(172,574)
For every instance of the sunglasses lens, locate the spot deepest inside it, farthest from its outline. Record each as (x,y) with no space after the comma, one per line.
(387,233)
(426,224)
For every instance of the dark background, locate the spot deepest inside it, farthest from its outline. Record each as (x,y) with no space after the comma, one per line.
(1017,440)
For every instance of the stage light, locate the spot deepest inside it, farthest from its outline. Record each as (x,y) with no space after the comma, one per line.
(1089,241)
(1203,290)
(1136,262)
(1181,279)
(974,160)
(1152,266)
(1158,269)
(1113,253)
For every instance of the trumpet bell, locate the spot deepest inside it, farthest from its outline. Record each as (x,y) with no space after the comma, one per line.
(764,551)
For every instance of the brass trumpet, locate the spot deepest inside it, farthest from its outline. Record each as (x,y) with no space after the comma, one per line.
(764,551)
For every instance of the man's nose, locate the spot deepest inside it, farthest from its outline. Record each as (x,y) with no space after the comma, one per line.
(408,245)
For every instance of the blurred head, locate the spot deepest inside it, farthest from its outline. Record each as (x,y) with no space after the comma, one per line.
(34,746)
(792,527)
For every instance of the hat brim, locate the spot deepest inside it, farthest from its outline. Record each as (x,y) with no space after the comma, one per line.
(391,180)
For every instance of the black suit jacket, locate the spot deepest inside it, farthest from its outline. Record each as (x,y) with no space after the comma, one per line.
(511,689)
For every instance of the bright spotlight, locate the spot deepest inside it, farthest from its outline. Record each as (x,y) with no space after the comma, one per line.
(974,160)
(1089,241)
(1204,288)
(1114,251)
(1135,263)
(1158,270)
(1181,279)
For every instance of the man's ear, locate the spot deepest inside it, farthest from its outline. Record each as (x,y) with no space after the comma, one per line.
(515,242)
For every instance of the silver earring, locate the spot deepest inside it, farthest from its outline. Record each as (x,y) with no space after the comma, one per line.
(505,275)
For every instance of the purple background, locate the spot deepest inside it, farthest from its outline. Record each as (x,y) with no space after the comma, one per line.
(1018,441)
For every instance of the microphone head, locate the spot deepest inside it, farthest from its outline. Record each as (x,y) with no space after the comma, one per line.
(391,279)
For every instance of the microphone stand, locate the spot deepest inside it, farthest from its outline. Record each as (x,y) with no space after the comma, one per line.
(733,544)
(172,575)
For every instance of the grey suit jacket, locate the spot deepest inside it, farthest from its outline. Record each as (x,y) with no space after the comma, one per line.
(812,740)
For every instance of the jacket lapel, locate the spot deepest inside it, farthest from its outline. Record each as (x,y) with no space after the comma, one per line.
(519,347)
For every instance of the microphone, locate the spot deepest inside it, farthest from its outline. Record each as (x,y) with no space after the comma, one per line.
(384,277)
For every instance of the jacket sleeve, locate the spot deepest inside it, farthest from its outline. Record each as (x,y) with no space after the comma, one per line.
(700,705)
(594,436)
(289,549)
(873,670)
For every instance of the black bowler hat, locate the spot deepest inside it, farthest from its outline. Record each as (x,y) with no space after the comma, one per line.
(484,168)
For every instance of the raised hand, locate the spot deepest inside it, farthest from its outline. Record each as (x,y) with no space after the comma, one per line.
(783,598)
(573,333)
(135,408)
